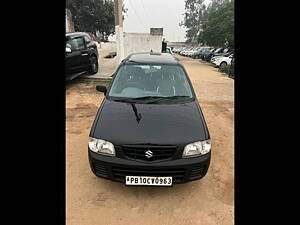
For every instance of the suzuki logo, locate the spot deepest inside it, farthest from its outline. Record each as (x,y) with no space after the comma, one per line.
(148,154)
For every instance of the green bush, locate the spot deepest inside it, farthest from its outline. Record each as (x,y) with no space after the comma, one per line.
(228,69)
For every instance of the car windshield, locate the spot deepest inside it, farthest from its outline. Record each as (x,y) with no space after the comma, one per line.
(150,81)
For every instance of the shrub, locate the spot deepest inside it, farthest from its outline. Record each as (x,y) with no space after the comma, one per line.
(228,69)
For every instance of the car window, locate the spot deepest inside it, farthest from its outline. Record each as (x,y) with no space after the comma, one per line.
(77,44)
(135,81)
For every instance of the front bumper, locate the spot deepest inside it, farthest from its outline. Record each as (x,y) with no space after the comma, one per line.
(116,169)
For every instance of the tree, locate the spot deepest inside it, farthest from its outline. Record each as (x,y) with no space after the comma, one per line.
(93,16)
(218,30)
(196,14)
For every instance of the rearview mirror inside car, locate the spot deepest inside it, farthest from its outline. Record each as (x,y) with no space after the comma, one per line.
(101,88)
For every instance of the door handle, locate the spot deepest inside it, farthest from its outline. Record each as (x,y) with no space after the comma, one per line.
(84,54)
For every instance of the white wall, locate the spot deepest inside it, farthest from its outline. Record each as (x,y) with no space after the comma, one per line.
(141,42)
(109,46)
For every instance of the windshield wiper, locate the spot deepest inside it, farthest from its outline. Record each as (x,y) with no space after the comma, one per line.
(170,98)
(134,100)
(150,99)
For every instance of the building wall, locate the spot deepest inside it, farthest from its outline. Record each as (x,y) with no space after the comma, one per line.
(109,46)
(177,44)
(141,42)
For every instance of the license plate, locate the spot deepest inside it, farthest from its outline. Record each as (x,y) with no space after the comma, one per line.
(151,181)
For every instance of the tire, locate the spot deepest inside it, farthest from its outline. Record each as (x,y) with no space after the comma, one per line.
(223,64)
(93,69)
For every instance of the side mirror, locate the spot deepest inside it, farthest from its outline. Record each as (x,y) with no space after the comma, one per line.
(68,50)
(101,88)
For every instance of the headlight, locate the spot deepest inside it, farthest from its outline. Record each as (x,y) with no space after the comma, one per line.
(197,149)
(102,147)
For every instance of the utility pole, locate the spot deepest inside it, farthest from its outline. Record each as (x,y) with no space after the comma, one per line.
(119,29)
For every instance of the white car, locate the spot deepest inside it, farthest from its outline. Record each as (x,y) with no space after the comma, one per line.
(215,58)
(192,52)
(185,51)
(220,61)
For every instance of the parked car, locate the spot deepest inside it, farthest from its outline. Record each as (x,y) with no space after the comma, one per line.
(81,54)
(192,51)
(185,51)
(211,54)
(200,52)
(223,52)
(149,129)
(205,54)
(223,61)
(219,51)
(182,51)
(189,52)
(176,50)
(222,55)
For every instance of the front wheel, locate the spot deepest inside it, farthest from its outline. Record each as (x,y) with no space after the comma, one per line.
(223,65)
(93,65)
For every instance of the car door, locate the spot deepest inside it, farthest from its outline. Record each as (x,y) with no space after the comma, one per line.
(78,59)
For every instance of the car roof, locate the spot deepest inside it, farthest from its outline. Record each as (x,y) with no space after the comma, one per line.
(76,34)
(151,58)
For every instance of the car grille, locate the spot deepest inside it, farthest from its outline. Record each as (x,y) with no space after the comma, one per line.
(120,173)
(157,152)
(100,170)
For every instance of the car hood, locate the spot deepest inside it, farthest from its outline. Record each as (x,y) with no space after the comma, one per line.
(163,124)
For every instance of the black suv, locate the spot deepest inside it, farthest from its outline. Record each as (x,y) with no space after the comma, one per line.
(149,129)
(81,54)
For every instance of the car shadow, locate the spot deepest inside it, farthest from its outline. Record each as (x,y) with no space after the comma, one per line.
(145,192)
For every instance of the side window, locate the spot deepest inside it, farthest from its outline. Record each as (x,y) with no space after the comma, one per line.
(77,44)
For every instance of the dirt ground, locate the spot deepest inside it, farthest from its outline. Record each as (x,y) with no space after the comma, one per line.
(209,201)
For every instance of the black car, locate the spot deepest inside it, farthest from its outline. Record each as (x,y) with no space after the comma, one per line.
(200,52)
(207,53)
(81,54)
(149,129)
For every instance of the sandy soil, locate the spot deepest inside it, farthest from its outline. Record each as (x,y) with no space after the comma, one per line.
(209,201)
